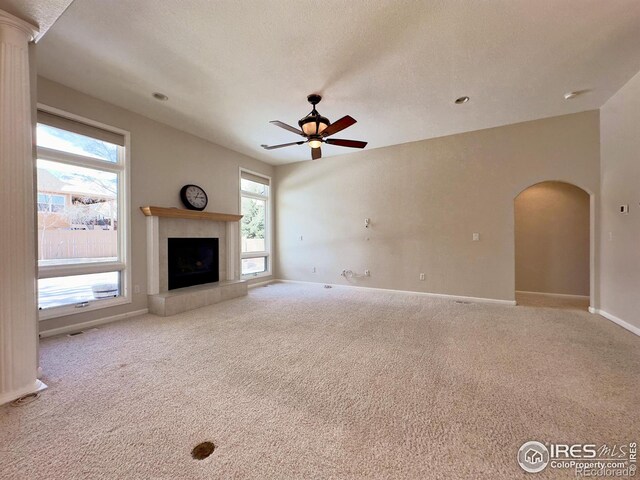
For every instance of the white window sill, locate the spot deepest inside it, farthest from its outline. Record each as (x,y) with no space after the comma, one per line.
(249,276)
(63,311)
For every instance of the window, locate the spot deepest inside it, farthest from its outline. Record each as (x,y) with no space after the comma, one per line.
(256,224)
(48,202)
(82,210)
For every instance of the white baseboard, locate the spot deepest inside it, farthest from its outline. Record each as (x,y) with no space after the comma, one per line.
(616,320)
(91,323)
(560,295)
(409,292)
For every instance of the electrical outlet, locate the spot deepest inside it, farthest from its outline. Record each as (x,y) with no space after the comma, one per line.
(422,276)
(476,237)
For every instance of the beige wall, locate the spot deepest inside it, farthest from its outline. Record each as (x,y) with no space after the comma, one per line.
(425,200)
(552,239)
(162,160)
(620,177)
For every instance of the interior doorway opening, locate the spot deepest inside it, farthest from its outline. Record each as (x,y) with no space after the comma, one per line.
(552,246)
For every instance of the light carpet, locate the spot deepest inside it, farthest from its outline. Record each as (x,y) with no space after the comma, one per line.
(298,381)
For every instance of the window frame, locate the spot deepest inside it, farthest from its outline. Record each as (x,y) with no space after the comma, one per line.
(123,264)
(268,253)
(50,204)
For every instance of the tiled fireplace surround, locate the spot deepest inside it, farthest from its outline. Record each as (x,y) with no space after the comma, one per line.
(165,302)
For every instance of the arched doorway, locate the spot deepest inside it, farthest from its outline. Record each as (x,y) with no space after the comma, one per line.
(552,245)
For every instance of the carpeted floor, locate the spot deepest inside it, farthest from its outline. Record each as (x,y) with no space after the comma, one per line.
(298,381)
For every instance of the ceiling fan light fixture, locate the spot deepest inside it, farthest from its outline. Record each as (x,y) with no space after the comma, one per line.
(315,143)
(313,124)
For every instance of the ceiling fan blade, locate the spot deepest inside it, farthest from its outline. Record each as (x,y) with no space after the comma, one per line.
(316,153)
(287,127)
(346,143)
(338,125)
(271,147)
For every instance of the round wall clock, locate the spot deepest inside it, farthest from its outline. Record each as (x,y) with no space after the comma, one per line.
(193,197)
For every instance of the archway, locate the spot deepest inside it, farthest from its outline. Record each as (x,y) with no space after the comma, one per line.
(553,246)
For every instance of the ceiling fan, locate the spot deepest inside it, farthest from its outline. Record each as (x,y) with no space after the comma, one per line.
(316,128)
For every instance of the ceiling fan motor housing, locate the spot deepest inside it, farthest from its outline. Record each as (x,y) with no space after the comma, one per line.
(314,99)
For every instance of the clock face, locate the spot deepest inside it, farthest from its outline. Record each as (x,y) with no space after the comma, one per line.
(193,197)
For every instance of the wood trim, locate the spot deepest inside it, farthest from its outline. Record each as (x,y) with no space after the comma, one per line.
(175,212)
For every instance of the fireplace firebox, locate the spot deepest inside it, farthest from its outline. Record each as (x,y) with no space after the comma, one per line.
(192,261)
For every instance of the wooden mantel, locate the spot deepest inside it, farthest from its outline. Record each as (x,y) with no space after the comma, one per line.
(175,212)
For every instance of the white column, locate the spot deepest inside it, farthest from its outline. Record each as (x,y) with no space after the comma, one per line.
(18,312)
(233,254)
(153,255)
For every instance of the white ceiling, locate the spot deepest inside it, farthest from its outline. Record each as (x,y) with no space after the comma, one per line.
(230,66)
(41,14)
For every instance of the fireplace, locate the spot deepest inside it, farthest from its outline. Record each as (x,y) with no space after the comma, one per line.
(192,261)
(169,231)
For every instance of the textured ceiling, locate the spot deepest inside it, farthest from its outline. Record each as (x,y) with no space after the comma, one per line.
(42,14)
(230,66)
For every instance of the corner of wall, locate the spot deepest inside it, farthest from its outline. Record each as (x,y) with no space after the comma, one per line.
(619,256)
